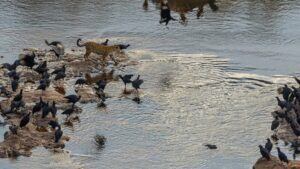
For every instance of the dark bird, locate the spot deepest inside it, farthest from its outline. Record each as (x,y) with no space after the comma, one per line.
(105,43)
(45,110)
(286,91)
(101,84)
(28,60)
(101,95)
(80,81)
(295,127)
(268,145)
(73,98)
(45,75)
(69,111)
(16,105)
(14,85)
(62,69)
(25,120)
(13,129)
(137,83)
(57,47)
(282,156)
(11,67)
(126,79)
(42,68)
(264,152)
(281,104)
(211,146)
(54,43)
(165,14)
(53,109)
(296,93)
(38,106)
(280,114)
(60,75)
(122,46)
(42,86)
(4,91)
(275,123)
(58,135)
(297,80)
(19,96)
(53,124)
(13,75)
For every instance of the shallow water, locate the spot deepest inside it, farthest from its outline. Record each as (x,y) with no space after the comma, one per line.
(211,81)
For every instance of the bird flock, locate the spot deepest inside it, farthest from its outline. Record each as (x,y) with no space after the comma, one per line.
(45,109)
(288,117)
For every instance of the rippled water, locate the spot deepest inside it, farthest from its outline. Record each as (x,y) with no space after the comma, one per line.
(211,81)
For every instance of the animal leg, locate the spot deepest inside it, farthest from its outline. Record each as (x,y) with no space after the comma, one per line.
(86,55)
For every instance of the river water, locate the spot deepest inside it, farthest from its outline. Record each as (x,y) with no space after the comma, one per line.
(211,80)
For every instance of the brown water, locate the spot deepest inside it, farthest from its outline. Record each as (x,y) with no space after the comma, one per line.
(211,81)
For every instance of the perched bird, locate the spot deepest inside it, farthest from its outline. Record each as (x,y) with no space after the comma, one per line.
(62,69)
(60,75)
(11,67)
(25,120)
(295,127)
(126,79)
(264,152)
(137,83)
(282,156)
(28,60)
(58,134)
(122,46)
(53,109)
(13,129)
(54,43)
(13,75)
(165,14)
(101,84)
(42,86)
(53,124)
(45,110)
(275,123)
(45,75)
(268,145)
(286,91)
(38,106)
(282,104)
(19,96)
(297,80)
(105,43)
(42,68)
(14,85)
(57,47)
(16,105)
(80,81)
(73,98)
(4,91)
(69,111)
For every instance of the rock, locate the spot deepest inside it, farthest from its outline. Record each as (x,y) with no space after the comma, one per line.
(274,163)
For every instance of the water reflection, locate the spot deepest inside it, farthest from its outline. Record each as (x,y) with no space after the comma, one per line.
(183,7)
